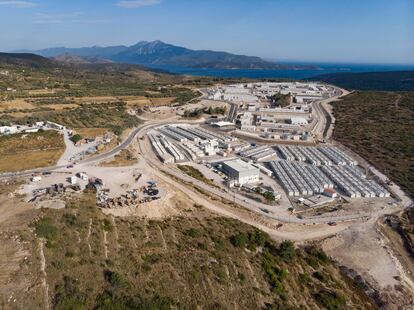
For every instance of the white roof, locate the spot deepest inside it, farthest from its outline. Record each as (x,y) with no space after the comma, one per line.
(223,123)
(239,165)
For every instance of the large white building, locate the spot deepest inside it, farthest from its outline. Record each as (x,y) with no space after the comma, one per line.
(240,172)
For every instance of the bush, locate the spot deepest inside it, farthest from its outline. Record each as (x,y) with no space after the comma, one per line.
(275,275)
(251,240)
(69,219)
(192,232)
(76,138)
(287,250)
(110,301)
(44,228)
(68,295)
(107,225)
(330,300)
(239,240)
(115,279)
(269,196)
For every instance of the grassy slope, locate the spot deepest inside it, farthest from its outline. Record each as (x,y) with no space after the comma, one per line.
(379,127)
(199,260)
(21,152)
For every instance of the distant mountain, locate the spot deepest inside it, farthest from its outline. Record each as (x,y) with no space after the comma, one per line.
(75,59)
(163,54)
(385,81)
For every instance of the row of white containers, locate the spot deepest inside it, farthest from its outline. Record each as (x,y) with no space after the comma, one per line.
(300,179)
(317,156)
(353,183)
(259,153)
(160,150)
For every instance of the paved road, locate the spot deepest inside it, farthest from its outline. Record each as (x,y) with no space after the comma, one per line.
(321,127)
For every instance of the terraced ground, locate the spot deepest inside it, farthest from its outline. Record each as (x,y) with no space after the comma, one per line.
(198,260)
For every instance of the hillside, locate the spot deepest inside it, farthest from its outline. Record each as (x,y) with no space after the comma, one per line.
(379,127)
(79,258)
(160,53)
(381,81)
(25,59)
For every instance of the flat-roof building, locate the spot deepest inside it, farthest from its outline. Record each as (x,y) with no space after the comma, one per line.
(240,172)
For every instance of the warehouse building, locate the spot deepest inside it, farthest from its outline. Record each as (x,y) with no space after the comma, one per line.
(240,172)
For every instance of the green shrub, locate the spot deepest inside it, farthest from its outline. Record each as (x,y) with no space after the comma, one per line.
(330,300)
(192,232)
(44,228)
(239,240)
(76,138)
(116,279)
(287,250)
(70,219)
(68,295)
(107,225)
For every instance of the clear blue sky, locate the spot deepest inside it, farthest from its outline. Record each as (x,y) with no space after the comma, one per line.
(361,31)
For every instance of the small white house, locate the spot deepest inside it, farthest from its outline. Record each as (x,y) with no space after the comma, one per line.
(73,180)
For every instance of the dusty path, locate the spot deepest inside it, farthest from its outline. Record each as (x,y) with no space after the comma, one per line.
(45,286)
(164,243)
(88,237)
(105,244)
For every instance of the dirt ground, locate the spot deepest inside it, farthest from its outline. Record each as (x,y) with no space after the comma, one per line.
(363,248)
(16,268)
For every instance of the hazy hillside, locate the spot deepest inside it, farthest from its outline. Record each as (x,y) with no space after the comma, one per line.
(160,53)
(387,81)
(25,59)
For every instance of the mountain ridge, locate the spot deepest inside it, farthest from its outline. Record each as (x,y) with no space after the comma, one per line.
(160,53)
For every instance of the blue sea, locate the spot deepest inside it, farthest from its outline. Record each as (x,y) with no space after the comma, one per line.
(320,68)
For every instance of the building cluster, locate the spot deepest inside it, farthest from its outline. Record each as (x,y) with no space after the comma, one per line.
(305,171)
(300,179)
(317,156)
(35,127)
(176,143)
(353,182)
(253,92)
(255,111)
(258,154)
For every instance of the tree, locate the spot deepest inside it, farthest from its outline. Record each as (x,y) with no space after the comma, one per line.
(76,138)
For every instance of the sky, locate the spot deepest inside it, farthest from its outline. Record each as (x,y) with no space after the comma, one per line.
(351,31)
